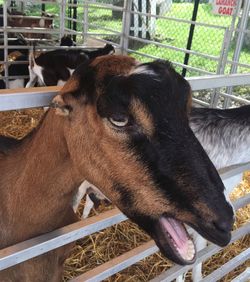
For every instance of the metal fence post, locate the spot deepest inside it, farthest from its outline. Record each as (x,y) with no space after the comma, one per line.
(220,67)
(224,53)
(126,26)
(190,36)
(5,32)
(85,22)
(62,17)
(238,47)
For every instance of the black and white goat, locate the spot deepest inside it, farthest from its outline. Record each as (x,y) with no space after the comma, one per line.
(22,55)
(55,67)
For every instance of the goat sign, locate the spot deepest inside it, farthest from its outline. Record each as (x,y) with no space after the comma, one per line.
(224,7)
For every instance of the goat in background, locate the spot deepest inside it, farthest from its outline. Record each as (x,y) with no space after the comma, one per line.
(55,67)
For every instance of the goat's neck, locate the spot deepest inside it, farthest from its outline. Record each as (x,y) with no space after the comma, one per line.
(38,182)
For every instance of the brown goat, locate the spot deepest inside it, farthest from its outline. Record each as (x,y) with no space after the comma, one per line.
(125,129)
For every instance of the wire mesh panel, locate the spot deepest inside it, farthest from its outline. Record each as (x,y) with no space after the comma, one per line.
(188,33)
(162,29)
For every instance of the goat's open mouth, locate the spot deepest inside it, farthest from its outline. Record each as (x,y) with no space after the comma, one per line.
(174,241)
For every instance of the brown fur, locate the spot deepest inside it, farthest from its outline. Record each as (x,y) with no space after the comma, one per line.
(143,117)
(36,187)
(71,85)
(40,177)
(113,65)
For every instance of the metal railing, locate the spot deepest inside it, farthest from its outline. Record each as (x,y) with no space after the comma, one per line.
(13,99)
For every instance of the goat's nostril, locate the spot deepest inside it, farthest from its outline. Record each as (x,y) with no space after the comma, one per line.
(223,225)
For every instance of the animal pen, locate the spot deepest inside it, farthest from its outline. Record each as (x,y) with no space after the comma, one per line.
(135,27)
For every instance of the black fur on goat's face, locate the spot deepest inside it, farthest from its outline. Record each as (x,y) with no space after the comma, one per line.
(142,153)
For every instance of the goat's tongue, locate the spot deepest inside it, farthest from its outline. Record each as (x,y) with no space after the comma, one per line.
(179,237)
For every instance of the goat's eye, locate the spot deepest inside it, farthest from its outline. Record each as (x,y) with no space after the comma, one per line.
(119,121)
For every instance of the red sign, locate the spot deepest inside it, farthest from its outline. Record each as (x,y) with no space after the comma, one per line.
(224,7)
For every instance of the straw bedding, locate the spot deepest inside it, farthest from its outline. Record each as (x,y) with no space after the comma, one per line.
(94,250)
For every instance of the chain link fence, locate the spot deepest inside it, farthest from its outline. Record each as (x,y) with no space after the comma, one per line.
(161,28)
(188,33)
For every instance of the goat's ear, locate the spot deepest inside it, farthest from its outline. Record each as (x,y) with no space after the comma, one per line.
(61,107)
(63,102)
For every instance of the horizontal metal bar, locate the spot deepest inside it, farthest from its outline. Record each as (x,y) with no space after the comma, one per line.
(217,81)
(37,30)
(74,20)
(178,49)
(30,30)
(235,98)
(104,34)
(43,47)
(241,202)
(43,2)
(117,264)
(90,4)
(228,266)
(178,20)
(39,245)
(238,64)
(20,17)
(41,96)
(243,277)
(204,254)
(14,99)
(103,28)
(201,103)
(233,170)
